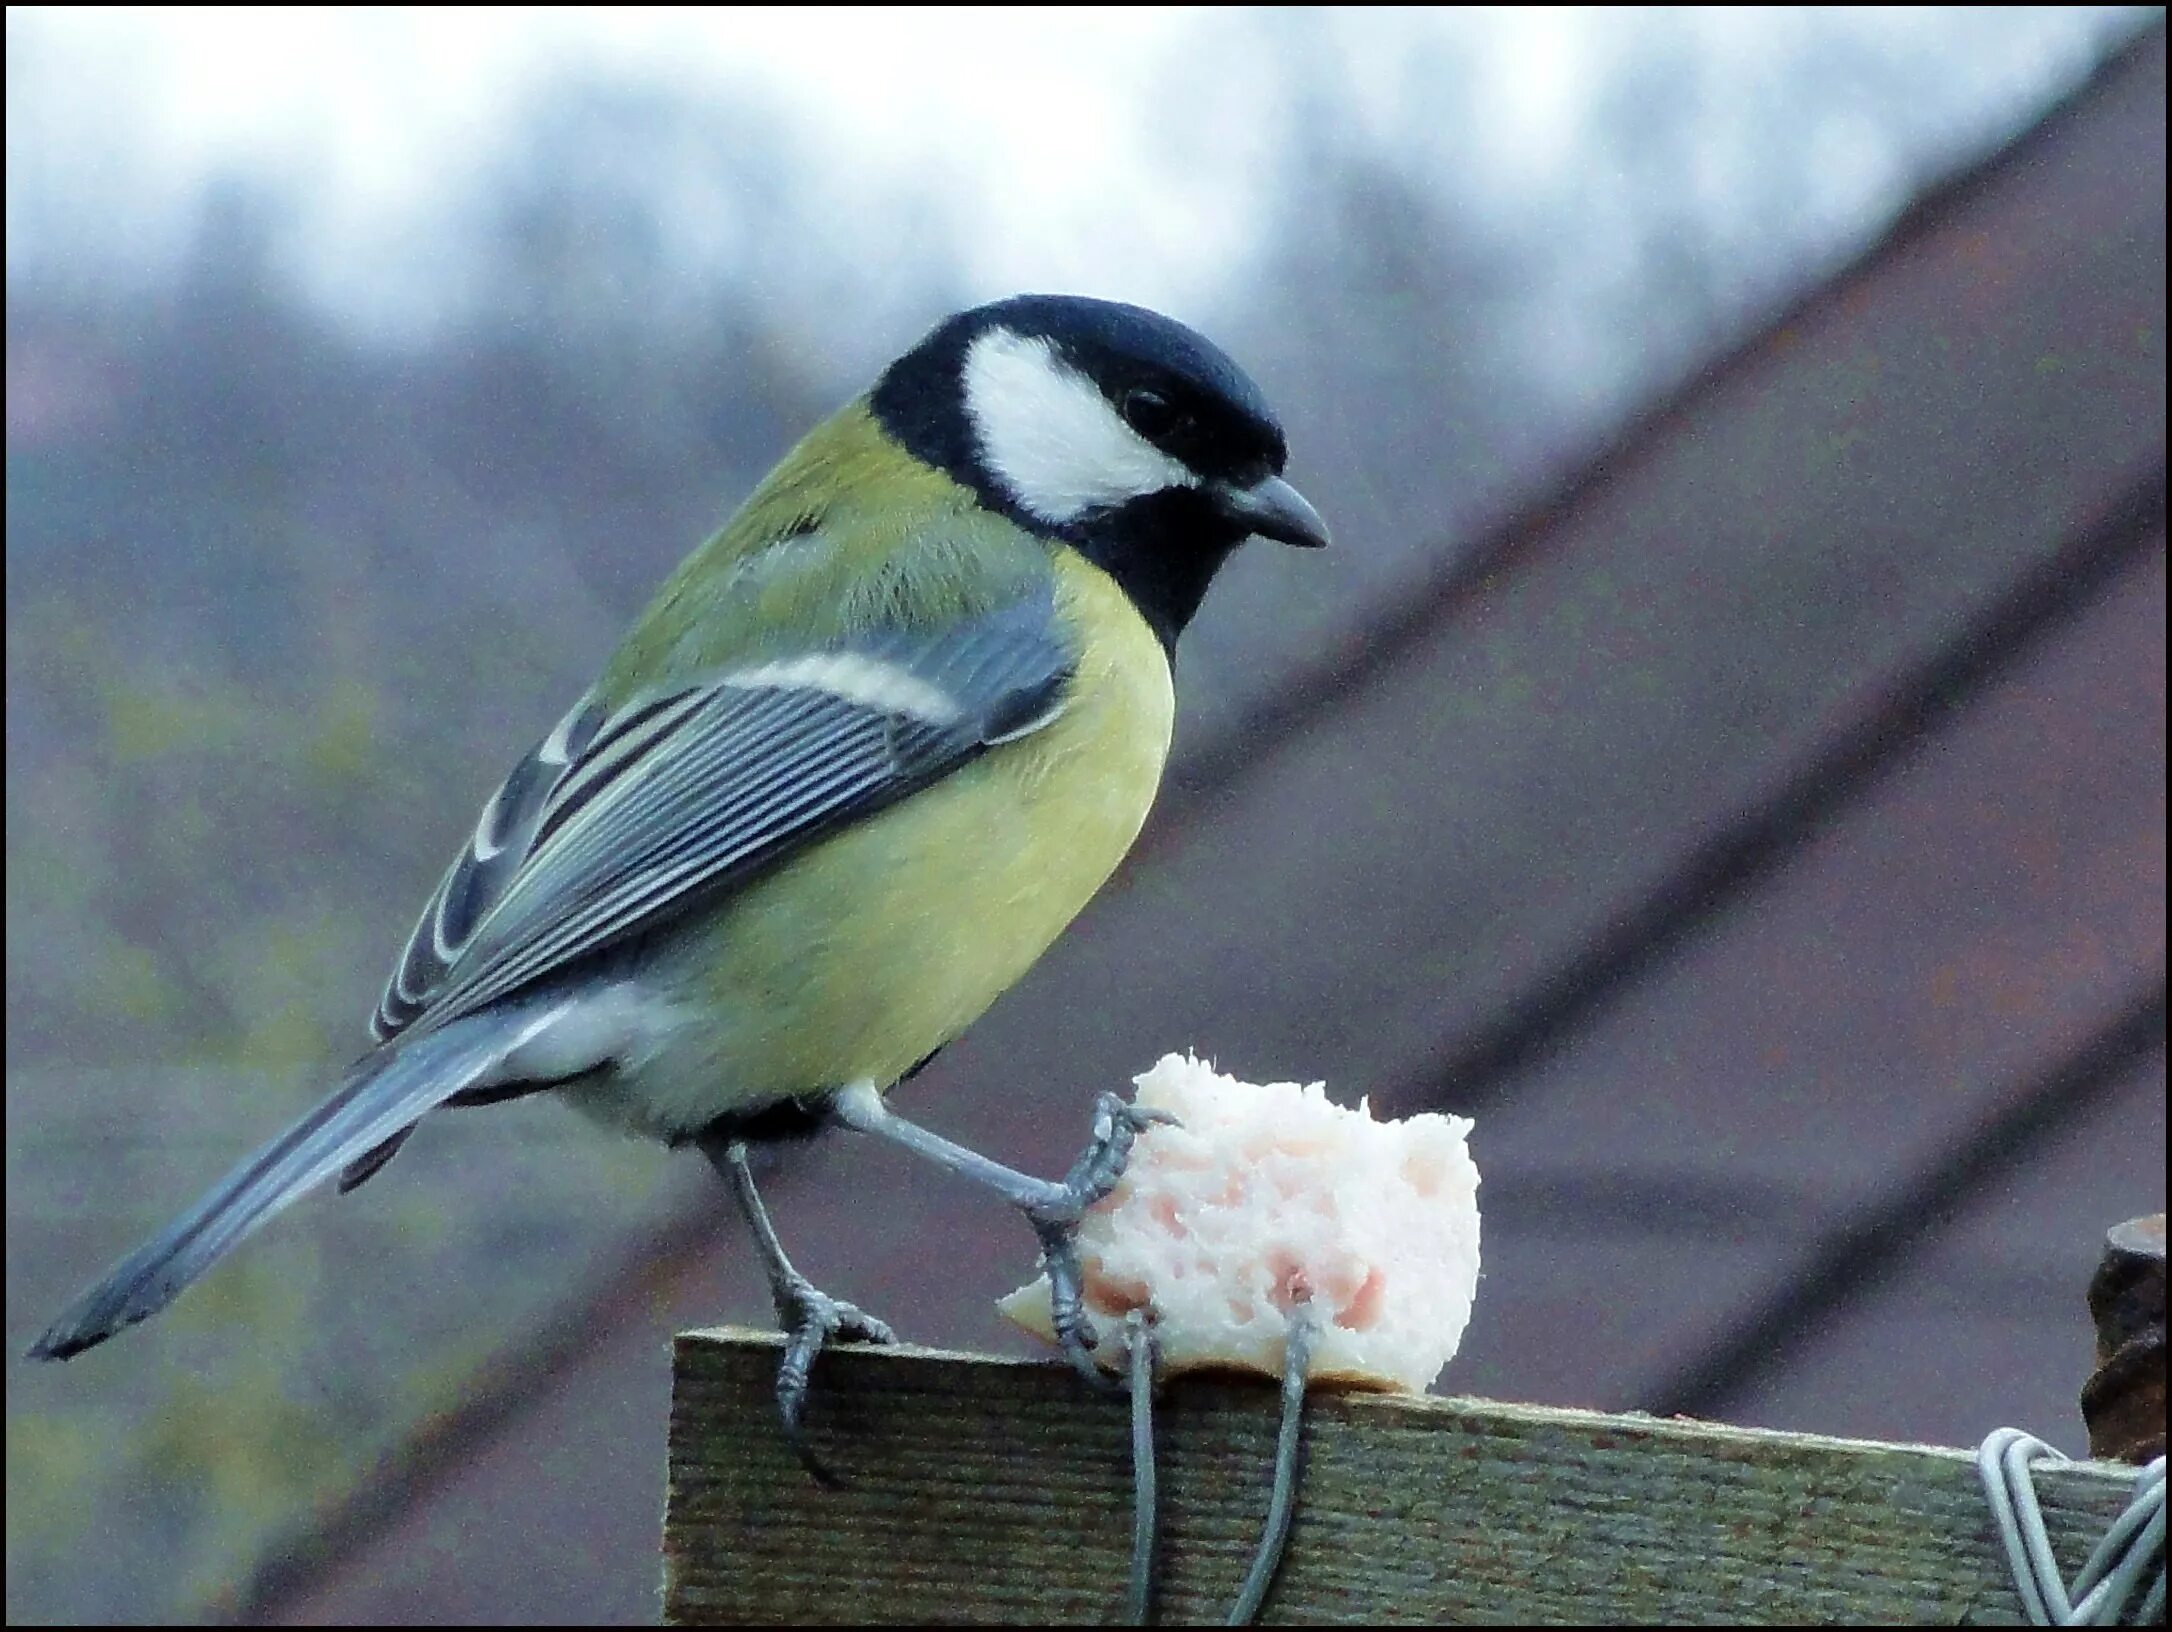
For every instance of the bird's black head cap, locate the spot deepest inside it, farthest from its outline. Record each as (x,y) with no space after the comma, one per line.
(1121,432)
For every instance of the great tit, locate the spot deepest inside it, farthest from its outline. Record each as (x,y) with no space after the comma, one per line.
(869,751)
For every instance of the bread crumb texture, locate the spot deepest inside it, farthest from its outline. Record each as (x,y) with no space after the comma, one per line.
(1268,1195)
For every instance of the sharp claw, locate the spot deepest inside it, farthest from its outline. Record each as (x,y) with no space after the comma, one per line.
(1094,1377)
(854,1324)
(1116,1126)
(810,1318)
(799,1357)
(796,1437)
(1078,1341)
(1067,1305)
(1118,1108)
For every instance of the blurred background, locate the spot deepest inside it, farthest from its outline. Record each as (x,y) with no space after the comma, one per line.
(1724,752)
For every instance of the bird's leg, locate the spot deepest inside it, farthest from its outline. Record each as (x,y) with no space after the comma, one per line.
(1052,1207)
(808,1316)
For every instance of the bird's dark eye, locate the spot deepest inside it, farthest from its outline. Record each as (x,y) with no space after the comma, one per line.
(1149,413)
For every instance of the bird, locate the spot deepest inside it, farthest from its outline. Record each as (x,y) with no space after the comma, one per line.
(872,747)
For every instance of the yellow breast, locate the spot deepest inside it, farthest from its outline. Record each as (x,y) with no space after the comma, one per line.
(883,943)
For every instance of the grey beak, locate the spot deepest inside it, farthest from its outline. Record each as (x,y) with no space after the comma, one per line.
(1273,509)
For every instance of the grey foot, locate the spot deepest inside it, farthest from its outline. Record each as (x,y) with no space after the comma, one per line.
(1053,1208)
(1055,1220)
(809,1318)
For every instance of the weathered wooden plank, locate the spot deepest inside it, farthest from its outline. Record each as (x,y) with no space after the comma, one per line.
(991,1490)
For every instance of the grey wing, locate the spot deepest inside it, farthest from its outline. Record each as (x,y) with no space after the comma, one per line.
(621,818)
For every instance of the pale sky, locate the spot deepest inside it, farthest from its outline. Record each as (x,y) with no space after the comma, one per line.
(1038,127)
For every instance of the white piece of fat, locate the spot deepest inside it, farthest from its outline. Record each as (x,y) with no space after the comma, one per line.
(1268,1195)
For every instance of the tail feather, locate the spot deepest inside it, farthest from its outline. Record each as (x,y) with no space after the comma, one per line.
(364,1167)
(384,1097)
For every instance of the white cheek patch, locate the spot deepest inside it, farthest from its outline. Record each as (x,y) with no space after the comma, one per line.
(866,681)
(1050,437)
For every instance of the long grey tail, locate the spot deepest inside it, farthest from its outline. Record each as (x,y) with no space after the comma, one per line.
(383,1096)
